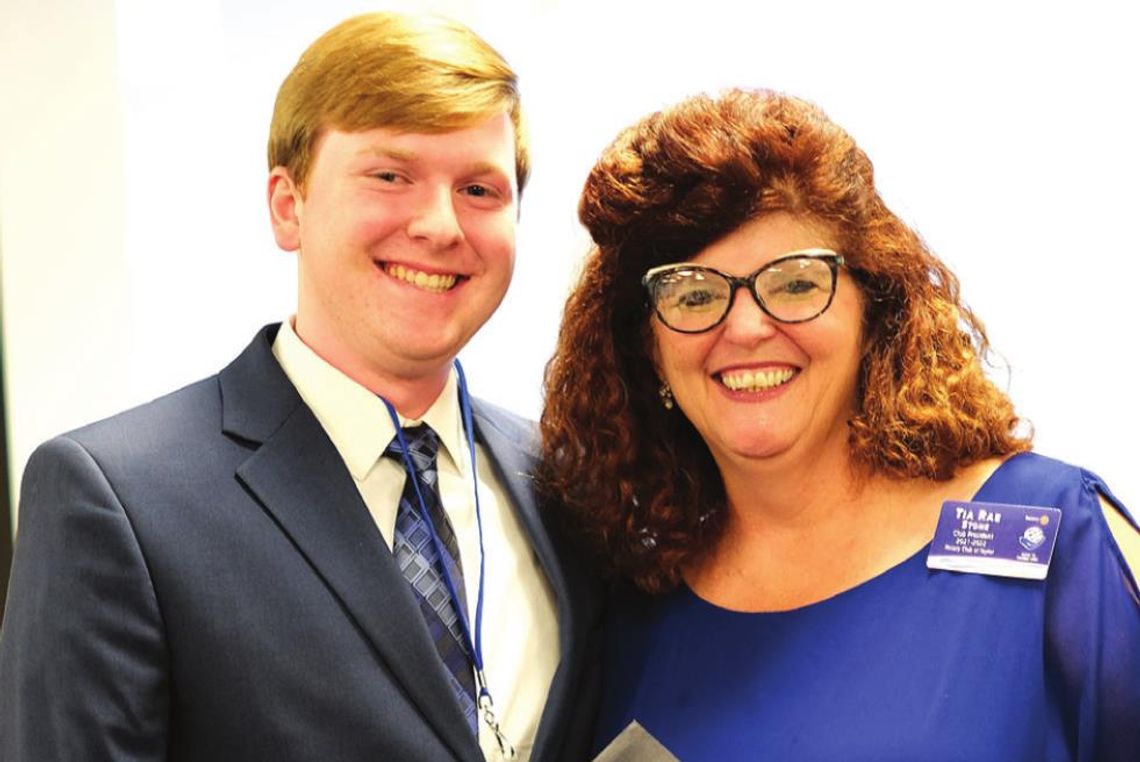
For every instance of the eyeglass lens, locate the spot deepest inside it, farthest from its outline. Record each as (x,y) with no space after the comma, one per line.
(791,290)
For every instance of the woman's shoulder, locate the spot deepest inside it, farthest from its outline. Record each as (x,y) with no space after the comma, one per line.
(1092,601)
(1033,479)
(1040,480)
(1090,513)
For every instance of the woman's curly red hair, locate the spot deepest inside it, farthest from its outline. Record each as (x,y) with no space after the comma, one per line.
(638,481)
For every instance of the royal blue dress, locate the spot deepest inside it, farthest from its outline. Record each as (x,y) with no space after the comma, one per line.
(913,664)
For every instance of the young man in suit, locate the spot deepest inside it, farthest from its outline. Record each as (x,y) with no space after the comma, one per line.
(257,566)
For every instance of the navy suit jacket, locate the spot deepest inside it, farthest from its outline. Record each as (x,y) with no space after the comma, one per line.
(199,579)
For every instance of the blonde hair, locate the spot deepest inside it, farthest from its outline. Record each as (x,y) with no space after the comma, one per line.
(409,72)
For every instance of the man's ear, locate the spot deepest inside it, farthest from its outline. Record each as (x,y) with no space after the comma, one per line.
(285,205)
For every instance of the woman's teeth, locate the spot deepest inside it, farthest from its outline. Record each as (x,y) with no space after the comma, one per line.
(756,381)
(428,282)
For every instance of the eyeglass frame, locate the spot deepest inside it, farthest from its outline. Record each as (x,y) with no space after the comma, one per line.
(833,259)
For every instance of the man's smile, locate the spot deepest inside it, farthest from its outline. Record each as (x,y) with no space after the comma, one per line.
(437,283)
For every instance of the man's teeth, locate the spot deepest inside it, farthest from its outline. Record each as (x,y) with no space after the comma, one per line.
(419,279)
(756,381)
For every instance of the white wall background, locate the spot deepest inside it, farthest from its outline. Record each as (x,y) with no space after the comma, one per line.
(136,254)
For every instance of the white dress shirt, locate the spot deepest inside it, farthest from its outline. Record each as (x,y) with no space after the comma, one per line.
(520,627)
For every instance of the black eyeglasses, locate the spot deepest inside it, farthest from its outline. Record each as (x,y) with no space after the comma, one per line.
(795,288)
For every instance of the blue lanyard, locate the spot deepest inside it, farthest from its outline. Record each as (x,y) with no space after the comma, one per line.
(474,645)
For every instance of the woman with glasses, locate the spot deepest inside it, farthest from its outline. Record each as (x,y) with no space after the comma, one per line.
(768,416)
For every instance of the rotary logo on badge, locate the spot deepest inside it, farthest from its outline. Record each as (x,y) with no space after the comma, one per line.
(1032,538)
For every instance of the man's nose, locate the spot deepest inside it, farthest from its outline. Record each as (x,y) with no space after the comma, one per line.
(434,220)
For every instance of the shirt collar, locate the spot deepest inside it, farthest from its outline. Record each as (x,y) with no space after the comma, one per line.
(354,418)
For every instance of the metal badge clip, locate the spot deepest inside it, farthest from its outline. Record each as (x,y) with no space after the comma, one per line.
(488,708)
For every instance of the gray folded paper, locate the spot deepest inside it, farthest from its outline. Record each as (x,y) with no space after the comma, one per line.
(635,744)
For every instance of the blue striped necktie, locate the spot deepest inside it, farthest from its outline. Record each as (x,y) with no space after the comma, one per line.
(422,565)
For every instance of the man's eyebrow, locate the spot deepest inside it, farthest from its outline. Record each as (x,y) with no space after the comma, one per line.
(399,154)
(486,168)
(404,155)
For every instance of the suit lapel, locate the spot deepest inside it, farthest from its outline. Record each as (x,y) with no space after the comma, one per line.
(301,481)
(516,470)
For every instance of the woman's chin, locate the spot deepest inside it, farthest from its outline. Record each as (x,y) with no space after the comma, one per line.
(759,447)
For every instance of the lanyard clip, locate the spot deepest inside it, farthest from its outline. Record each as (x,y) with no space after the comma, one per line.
(488,708)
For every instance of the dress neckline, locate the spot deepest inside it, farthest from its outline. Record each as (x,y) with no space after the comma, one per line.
(857,589)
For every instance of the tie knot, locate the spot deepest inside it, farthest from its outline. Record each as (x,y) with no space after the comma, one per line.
(423,445)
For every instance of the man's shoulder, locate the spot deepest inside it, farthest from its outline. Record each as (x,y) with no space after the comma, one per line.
(189,413)
(164,423)
(514,427)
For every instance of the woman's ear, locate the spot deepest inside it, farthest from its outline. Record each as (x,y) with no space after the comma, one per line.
(652,349)
(664,391)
